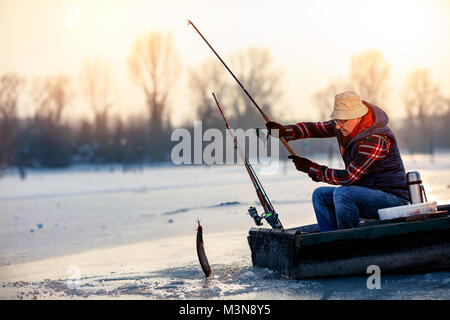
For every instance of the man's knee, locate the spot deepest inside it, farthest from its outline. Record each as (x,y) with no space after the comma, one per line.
(342,194)
(344,199)
(317,196)
(320,192)
(347,211)
(323,196)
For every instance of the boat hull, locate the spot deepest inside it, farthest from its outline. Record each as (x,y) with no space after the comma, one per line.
(396,246)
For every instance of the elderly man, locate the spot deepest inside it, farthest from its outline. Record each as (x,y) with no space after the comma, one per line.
(374,176)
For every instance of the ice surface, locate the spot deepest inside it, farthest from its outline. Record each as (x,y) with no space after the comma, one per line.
(132,233)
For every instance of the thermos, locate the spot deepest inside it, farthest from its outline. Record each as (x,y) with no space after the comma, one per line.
(415,187)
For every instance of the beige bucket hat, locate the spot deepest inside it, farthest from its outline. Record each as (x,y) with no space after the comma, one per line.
(348,105)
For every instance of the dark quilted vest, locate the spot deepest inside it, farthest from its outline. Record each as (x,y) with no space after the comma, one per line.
(387,175)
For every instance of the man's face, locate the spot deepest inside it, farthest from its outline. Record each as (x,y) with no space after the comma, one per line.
(346,126)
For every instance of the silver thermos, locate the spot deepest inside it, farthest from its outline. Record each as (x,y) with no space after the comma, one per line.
(415,187)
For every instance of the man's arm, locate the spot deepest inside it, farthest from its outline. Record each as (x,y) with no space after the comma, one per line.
(303,130)
(370,151)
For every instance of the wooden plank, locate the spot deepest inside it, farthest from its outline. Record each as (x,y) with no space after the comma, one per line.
(424,259)
(372,232)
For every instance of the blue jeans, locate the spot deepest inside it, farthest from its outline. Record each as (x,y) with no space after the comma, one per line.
(342,207)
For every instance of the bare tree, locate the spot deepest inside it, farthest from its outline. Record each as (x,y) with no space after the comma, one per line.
(257,71)
(96,83)
(369,75)
(49,141)
(209,77)
(423,101)
(51,96)
(155,65)
(444,121)
(10,86)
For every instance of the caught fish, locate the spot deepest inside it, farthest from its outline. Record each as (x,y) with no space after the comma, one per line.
(201,251)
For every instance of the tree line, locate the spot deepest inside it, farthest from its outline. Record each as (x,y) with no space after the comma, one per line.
(45,139)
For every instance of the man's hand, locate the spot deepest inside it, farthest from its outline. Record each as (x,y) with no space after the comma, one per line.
(302,164)
(275,125)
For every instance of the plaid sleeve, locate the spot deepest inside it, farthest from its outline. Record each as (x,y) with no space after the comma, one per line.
(303,130)
(369,152)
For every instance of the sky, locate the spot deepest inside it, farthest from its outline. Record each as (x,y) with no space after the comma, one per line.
(311,40)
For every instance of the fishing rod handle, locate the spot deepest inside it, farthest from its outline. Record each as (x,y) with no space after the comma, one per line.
(283,140)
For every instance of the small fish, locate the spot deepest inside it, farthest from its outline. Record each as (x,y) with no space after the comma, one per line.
(201,251)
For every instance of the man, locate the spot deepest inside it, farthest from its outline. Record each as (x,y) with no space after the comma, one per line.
(374,176)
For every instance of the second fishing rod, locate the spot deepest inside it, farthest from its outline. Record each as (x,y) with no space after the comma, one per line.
(269,212)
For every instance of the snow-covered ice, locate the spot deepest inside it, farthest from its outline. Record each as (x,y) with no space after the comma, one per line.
(97,233)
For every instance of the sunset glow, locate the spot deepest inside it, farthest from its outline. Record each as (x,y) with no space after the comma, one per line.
(312,41)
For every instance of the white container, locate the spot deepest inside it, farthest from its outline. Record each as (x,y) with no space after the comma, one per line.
(407,211)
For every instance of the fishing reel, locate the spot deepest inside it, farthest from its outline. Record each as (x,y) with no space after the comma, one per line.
(271,218)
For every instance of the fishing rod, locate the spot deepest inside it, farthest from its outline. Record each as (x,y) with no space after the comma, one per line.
(269,212)
(265,116)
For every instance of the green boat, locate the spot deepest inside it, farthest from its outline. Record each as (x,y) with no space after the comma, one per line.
(414,244)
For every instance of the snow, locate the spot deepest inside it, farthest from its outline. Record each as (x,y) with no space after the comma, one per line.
(131,234)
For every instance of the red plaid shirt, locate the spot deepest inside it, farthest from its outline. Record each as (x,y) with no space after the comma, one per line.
(369,151)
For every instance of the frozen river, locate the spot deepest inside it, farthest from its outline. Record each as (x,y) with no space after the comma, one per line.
(131,234)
